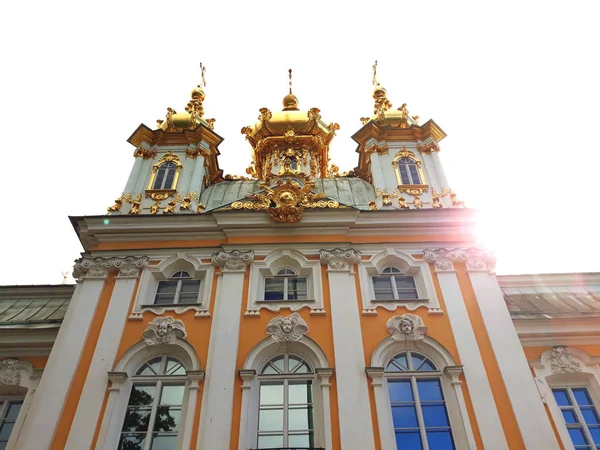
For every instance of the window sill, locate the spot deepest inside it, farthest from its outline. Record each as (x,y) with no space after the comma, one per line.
(276,305)
(413,189)
(284,301)
(177,308)
(404,300)
(159,194)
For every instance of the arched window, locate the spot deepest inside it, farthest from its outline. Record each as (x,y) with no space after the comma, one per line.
(285,411)
(179,289)
(286,285)
(580,415)
(165,175)
(409,171)
(418,406)
(153,416)
(391,284)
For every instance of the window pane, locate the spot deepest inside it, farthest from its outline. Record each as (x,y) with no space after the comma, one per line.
(136,419)
(299,392)
(169,179)
(577,436)
(165,294)
(296,289)
(595,432)
(161,442)
(274,366)
(172,395)
(582,397)
(13,410)
(270,441)
(440,440)
(400,391)
(3,445)
(407,294)
(270,420)
(300,440)
(435,415)
(189,291)
(174,367)
(429,390)
(404,174)
(404,416)
(142,395)
(300,419)
(421,362)
(271,394)
(398,364)
(408,440)
(132,442)
(167,418)
(590,416)
(151,367)
(5,429)
(569,416)
(414,172)
(561,397)
(383,288)
(404,282)
(286,271)
(160,176)
(274,288)
(298,366)
(181,274)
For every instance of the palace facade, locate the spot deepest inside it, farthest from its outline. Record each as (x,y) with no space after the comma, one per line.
(296,307)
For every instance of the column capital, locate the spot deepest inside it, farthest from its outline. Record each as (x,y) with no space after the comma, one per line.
(375,374)
(99,267)
(233,261)
(339,259)
(454,372)
(479,259)
(324,373)
(476,259)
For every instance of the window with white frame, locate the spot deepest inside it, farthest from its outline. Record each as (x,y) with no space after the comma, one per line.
(285,285)
(9,411)
(392,284)
(180,288)
(419,412)
(153,416)
(580,415)
(285,411)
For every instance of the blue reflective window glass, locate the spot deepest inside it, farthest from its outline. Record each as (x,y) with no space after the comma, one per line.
(577,436)
(569,416)
(561,397)
(405,416)
(408,440)
(429,390)
(595,432)
(590,416)
(435,415)
(399,363)
(440,440)
(414,172)
(582,397)
(400,391)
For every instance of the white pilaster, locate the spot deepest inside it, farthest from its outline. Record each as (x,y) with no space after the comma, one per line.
(94,389)
(482,398)
(193,385)
(454,372)
(324,374)
(248,378)
(47,406)
(353,395)
(217,401)
(530,413)
(132,181)
(382,403)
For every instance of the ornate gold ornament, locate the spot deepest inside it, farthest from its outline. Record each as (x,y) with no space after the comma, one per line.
(193,153)
(429,148)
(149,153)
(170,209)
(452,195)
(386,197)
(154,208)
(117,206)
(286,199)
(372,205)
(435,199)
(201,207)
(402,203)
(135,205)
(380,149)
(126,198)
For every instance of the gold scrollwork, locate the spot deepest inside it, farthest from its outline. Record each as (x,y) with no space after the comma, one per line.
(429,148)
(193,153)
(145,153)
(381,149)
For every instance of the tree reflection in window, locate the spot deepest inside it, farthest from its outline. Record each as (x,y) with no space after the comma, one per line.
(154,409)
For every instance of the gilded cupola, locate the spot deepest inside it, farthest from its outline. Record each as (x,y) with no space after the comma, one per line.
(291,141)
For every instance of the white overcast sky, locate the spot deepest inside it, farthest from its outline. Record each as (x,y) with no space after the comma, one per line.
(515,85)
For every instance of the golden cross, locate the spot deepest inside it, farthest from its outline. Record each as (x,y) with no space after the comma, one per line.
(375,73)
(290,72)
(202,71)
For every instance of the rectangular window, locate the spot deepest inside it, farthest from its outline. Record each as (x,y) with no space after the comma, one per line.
(9,411)
(580,415)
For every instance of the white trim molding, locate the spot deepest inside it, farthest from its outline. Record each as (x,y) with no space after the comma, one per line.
(152,275)
(566,366)
(21,379)
(265,350)
(268,267)
(393,257)
(449,374)
(476,259)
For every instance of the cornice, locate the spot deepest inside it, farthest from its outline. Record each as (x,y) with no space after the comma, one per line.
(387,132)
(230,227)
(46,290)
(187,137)
(549,279)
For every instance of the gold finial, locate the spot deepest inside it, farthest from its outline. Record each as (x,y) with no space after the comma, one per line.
(202,72)
(375,73)
(290,102)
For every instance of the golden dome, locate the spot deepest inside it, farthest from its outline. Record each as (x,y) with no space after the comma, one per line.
(198,93)
(290,102)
